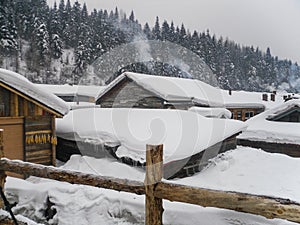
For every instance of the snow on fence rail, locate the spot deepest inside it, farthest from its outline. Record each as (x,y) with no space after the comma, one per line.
(156,190)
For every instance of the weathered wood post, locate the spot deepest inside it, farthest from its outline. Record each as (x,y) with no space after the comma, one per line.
(154,161)
(2,173)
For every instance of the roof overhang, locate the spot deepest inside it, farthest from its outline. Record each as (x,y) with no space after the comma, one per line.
(28,98)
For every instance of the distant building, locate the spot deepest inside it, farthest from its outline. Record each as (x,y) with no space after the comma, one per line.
(27,116)
(290,114)
(276,130)
(132,90)
(245,105)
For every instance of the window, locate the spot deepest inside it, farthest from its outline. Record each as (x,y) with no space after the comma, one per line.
(4,102)
(239,115)
(249,114)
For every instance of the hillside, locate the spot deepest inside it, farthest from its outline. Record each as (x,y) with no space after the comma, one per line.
(60,44)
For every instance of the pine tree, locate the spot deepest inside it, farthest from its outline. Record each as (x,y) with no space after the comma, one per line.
(54,33)
(147,31)
(68,25)
(165,30)
(183,36)
(8,31)
(171,35)
(38,53)
(156,30)
(194,45)
(131,17)
(269,68)
(82,55)
(56,47)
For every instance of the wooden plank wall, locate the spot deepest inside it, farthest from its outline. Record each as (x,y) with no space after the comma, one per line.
(292,150)
(13,137)
(39,139)
(127,94)
(191,165)
(243,112)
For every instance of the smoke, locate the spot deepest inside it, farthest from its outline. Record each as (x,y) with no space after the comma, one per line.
(143,48)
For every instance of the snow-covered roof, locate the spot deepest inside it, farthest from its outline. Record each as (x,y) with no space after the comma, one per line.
(262,129)
(183,133)
(173,88)
(183,89)
(211,112)
(20,84)
(66,89)
(244,99)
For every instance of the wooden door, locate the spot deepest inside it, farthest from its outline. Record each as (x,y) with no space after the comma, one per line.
(13,135)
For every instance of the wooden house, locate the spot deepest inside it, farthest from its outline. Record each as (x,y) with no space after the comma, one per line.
(27,116)
(244,113)
(244,105)
(132,90)
(291,114)
(189,140)
(276,130)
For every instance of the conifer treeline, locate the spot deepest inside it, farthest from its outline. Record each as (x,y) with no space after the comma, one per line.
(50,31)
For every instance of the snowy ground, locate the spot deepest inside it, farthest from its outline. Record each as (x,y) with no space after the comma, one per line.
(245,170)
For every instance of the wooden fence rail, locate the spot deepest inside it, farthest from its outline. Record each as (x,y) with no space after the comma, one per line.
(156,190)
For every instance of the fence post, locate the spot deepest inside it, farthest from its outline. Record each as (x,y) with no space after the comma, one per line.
(154,161)
(2,173)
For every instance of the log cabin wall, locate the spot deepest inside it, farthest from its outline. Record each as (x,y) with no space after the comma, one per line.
(191,165)
(40,140)
(29,125)
(244,113)
(127,94)
(292,150)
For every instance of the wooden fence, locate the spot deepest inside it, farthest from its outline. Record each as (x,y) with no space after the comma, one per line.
(156,190)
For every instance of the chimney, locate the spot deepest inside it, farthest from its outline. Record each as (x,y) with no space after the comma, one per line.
(229,92)
(274,92)
(265,97)
(273,97)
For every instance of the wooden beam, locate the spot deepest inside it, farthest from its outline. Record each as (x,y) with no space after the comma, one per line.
(53,159)
(14,105)
(1,144)
(154,207)
(30,169)
(25,107)
(2,173)
(260,205)
(38,132)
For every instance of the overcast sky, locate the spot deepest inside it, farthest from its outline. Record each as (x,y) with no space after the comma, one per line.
(262,23)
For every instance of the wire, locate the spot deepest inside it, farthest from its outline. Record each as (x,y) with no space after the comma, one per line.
(7,206)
